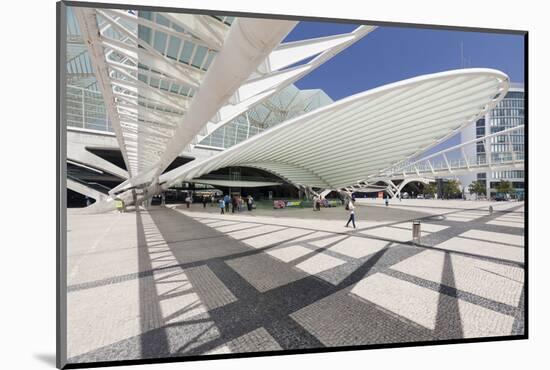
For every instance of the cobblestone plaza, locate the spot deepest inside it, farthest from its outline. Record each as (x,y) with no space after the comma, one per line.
(208,163)
(178,282)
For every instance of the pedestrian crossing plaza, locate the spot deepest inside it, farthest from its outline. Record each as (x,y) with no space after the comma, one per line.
(179,282)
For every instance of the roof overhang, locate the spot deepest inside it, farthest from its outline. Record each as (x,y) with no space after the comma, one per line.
(356,137)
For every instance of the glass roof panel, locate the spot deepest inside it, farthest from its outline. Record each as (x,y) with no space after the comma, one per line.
(284,105)
(175,88)
(144,33)
(145,14)
(187,51)
(155,82)
(160,41)
(173,47)
(162,20)
(200,54)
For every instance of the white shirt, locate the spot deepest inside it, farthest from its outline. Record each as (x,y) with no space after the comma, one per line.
(351,207)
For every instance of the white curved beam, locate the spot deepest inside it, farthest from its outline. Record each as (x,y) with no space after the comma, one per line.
(248,43)
(91,36)
(384,125)
(260,88)
(85,190)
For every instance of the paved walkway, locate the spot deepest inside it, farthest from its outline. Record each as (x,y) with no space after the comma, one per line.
(169,282)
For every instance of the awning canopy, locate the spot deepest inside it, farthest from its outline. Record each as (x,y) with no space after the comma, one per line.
(359,136)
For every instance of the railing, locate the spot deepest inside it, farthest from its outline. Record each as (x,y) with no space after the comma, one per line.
(440,161)
(465,163)
(86,109)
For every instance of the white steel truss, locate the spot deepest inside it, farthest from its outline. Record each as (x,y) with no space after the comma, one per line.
(169,80)
(164,90)
(379,127)
(482,162)
(147,93)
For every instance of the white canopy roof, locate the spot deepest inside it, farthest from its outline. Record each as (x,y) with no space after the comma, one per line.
(171,79)
(359,136)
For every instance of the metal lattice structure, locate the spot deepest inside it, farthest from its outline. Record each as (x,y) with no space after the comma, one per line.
(169,80)
(380,128)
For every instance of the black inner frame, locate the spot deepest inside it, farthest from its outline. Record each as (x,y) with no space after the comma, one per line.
(61,268)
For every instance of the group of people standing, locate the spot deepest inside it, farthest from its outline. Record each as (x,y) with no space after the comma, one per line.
(237,203)
(317,202)
(206,199)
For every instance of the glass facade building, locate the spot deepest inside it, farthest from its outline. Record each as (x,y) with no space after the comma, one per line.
(510,112)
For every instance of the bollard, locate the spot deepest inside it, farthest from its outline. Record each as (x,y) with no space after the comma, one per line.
(416,231)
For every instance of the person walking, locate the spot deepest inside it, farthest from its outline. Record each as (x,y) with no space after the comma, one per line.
(188,201)
(119,204)
(226,201)
(233,204)
(222,206)
(204,201)
(249,202)
(351,209)
(387,201)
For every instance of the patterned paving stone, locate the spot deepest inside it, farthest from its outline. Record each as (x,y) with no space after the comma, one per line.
(517,240)
(341,319)
(460,218)
(407,300)
(478,322)
(425,227)
(275,237)
(255,341)
(221,223)
(507,222)
(391,233)
(483,248)
(237,226)
(114,312)
(358,247)
(248,233)
(260,271)
(287,254)
(497,282)
(318,235)
(209,287)
(319,263)
(327,240)
(164,284)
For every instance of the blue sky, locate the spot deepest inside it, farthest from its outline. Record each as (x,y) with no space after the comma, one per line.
(390,54)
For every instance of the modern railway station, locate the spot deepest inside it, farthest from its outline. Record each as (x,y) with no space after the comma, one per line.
(209,191)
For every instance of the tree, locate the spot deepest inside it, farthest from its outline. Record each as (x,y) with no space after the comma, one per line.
(430,189)
(504,187)
(451,189)
(477,187)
